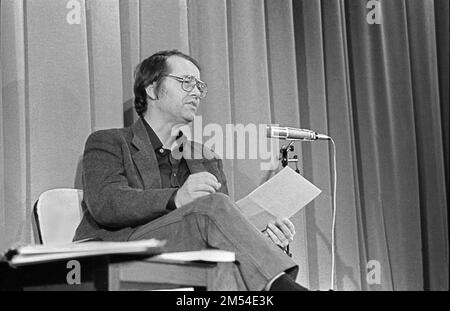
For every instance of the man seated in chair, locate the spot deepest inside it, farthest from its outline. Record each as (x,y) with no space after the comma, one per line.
(138,186)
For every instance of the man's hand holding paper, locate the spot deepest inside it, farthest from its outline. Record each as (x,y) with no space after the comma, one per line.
(279,198)
(281,232)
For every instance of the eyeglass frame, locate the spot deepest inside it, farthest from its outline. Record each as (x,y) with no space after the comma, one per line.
(197,81)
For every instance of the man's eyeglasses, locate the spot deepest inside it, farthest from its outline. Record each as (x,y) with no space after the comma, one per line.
(189,82)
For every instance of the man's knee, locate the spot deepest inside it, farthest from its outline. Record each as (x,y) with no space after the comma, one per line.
(220,198)
(216,204)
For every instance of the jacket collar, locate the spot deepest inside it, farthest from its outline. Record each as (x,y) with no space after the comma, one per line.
(140,138)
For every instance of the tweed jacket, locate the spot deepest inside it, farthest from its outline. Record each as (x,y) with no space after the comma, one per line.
(122,182)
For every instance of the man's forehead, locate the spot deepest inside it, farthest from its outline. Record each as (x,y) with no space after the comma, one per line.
(180,65)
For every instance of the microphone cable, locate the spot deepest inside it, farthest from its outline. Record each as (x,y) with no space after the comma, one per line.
(333,223)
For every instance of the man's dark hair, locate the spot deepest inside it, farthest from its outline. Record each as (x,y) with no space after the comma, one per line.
(150,70)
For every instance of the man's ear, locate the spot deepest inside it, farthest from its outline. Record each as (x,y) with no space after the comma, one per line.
(151,92)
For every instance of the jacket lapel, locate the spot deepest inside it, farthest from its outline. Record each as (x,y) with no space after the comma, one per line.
(147,163)
(145,158)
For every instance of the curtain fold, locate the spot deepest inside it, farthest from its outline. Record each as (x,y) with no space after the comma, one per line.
(14,157)
(105,61)
(130,53)
(350,258)
(441,13)
(383,105)
(208,35)
(380,90)
(315,157)
(427,113)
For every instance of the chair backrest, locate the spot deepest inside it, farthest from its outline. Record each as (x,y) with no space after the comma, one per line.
(57,214)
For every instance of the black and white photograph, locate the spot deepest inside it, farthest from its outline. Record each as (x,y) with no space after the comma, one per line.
(219,152)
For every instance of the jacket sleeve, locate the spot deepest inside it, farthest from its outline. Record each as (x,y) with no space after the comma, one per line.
(109,197)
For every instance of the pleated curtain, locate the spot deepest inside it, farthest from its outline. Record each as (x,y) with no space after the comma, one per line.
(379,89)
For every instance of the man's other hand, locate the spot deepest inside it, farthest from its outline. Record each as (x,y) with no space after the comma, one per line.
(196,186)
(281,232)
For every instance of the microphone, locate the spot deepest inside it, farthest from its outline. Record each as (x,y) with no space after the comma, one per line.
(291,133)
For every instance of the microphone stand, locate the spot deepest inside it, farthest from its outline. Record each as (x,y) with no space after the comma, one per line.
(284,156)
(284,162)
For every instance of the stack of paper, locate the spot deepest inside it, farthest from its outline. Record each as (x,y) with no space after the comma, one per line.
(43,253)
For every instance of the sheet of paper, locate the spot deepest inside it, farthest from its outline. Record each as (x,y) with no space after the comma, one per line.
(280,197)
(211,255)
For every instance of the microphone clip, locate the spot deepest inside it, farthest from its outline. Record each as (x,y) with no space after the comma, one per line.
(285,160)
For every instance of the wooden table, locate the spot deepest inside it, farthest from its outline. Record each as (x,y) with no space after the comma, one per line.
(121,273)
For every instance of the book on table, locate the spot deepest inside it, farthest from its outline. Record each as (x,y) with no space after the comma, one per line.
(31,254)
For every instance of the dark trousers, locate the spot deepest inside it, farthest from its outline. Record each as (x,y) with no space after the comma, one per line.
(214,221)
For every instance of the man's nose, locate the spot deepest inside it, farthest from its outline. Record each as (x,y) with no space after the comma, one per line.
(195,91)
